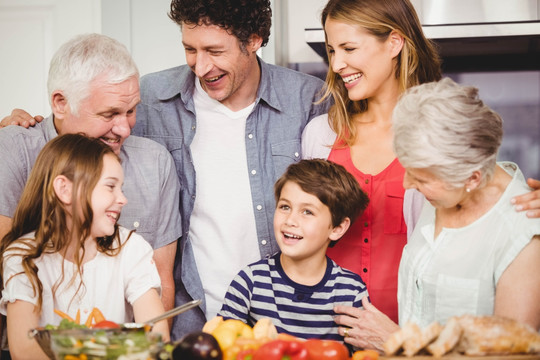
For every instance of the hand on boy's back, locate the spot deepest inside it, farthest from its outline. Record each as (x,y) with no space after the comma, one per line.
(21,118)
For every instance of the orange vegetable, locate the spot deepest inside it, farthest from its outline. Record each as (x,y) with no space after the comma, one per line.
(78,317)
(98,315)
(242,347)
(365,355)
(88,322)
(63,315)
(229,330)
(288,337)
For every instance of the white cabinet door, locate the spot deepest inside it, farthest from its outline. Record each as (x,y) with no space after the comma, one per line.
(30,32)
(154,40)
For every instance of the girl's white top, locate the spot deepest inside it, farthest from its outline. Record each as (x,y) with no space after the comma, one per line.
(111,283)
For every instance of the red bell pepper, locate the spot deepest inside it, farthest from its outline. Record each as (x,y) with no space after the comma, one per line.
(319,349)
(281,350)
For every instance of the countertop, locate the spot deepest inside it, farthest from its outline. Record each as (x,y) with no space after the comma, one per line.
(463,357)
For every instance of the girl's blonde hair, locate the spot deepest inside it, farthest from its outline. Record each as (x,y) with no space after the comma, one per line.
(80,159)
(418,61)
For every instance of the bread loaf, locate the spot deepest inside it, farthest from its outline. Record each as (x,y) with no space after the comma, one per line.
(467,334)
(448,338)
(421,339)
(493,335)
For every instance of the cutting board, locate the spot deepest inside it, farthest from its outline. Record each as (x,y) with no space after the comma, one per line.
(463,357)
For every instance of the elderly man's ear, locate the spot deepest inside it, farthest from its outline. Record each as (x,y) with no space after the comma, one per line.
(59,104)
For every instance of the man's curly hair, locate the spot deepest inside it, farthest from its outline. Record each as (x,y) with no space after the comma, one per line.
(241,18)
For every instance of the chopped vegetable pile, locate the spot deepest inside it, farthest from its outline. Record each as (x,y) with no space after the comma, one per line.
(104,344)
(101,339)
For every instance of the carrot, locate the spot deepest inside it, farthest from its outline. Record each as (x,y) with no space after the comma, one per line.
(98,315)
(88,322)
(63,315)
(365,355)
(78,316)
(71,357)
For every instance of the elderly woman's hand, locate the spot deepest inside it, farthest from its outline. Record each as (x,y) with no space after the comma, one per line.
(366,328)
(529,201)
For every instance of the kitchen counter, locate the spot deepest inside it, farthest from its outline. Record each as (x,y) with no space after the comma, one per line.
(463,357)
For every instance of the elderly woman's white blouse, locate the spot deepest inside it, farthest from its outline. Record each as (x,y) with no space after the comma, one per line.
(457,272)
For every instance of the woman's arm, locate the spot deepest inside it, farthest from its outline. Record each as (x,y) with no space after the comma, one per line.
(367,328)
(22,316)
(517,294)
(148,306)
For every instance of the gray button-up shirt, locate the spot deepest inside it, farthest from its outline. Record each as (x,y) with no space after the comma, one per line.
(284,105)
(150,182)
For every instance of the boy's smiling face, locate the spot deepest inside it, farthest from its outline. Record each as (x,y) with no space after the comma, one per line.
(303,224)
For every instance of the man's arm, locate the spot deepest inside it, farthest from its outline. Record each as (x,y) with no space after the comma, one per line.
(21,118)
(164,258)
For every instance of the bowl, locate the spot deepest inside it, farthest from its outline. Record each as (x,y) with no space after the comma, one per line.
(126,343)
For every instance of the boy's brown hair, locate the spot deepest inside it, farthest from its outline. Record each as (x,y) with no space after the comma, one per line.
(331,183)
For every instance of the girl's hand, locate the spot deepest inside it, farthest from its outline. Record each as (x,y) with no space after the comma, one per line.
(529,201)
(366,328)
(148,306)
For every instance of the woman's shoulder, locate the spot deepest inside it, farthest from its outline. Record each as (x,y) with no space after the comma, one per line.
(516,185)
(318,138)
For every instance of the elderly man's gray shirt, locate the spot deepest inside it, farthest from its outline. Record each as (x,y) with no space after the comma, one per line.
(150,181)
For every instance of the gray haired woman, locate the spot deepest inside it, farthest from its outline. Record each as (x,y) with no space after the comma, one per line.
(470,252)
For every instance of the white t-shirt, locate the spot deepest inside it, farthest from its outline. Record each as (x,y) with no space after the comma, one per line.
(457,272)
(112,283)
(222,225)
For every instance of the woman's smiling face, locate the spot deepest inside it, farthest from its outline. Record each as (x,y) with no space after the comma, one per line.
(365,63)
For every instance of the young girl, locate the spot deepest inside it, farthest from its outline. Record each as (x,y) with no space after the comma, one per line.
(66,252)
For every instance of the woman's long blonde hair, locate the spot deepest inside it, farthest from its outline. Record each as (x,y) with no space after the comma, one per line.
(418,61)
(80,159)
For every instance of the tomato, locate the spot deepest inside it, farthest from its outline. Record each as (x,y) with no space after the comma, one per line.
(326,349)
(365,355)
(106,324)
(245,354)
(280,350)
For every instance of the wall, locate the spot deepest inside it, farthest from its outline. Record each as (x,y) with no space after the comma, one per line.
(143,26)
(30,32)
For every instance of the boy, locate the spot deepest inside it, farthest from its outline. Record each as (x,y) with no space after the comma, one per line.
(297,288)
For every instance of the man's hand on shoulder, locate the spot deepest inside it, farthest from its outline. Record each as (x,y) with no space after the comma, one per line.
(21,118)
(530,201)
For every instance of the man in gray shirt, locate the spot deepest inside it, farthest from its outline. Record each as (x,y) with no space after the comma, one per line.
(94,89)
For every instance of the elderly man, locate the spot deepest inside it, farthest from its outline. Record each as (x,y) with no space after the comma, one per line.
(94,89)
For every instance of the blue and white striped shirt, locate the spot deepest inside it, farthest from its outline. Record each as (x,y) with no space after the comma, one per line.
(262,289)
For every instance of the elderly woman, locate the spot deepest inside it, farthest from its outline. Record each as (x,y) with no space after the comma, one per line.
(470,252)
